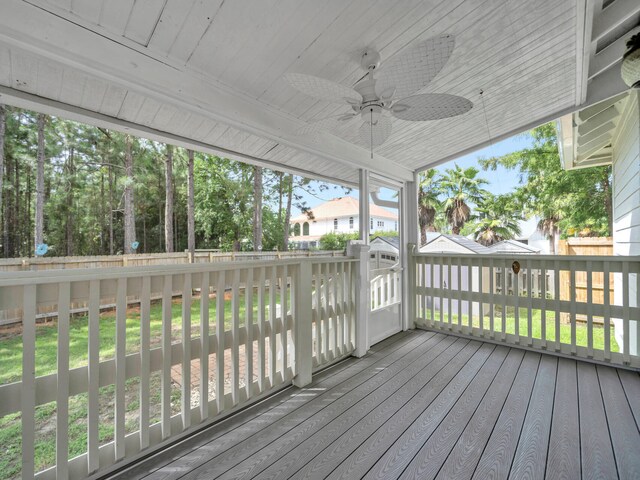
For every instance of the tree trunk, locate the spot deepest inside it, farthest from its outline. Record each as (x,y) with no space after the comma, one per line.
(8,210)
(168,204)
(69,205)
(38,237)
(101,212)
(3,123)
(287,216)
(257,209)
(129,214)
(191,205)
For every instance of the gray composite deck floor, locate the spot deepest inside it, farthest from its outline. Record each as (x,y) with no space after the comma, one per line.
(428,405)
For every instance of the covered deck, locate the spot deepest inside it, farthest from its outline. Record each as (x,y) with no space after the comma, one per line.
(427,405)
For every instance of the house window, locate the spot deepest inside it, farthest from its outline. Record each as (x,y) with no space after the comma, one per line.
(305,228)
(296,229)
(372,224)
(380,223)
(351,223)
(335,224)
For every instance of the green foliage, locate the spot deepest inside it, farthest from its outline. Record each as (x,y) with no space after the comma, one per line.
(497,219)
(337,241)
(461,188)
(567,201)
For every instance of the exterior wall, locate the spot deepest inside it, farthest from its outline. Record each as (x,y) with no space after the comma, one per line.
(626,201)
(324,226)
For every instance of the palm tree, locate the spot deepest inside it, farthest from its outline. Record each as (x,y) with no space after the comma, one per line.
(497,219)
(549,227)
(462,187)
(428,202)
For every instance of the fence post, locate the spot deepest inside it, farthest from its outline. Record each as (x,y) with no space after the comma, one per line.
(302,325)
(363,296)
(410,287)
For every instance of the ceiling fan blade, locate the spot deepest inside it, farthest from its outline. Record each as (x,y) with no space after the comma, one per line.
(325,124)
(377,135)
(323,89)
(430,106)
(413,68)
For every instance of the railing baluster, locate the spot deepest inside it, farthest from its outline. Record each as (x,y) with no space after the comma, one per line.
(273,285)
(334,317)
(28,388)
(120,365)
(165,388)
(262,328)
(481,268)
(503,278)
(145,360)
(449,287)
(326,320)
(607,310)
(186,352)
(347,304)
(284,319)
(93,372)
(543,312)
(492,274)
(516,307)
(339,307)
(556,286)
(220,334)
(529,278)
(589,274)
(459,293)
(235,337)
(426,297)
(204,346)
(248,322)
(62,397)
(625,313)
(572,308)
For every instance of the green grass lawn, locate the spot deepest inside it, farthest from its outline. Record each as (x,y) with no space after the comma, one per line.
(536,327)
(46,358)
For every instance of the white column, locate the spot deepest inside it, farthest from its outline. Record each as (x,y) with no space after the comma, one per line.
(410,238)
(364,206)
(363,296)
(303,335)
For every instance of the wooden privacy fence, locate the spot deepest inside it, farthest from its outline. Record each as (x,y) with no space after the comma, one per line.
(271,336)
(10,316)
(591,247)
(459,293)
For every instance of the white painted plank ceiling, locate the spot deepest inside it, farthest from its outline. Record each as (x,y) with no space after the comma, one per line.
(521,54)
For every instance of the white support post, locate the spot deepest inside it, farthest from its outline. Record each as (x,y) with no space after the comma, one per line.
(363,296)
(303,334)
(363,217)
(410,236)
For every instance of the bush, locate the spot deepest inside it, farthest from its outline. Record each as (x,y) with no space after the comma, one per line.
(337,241)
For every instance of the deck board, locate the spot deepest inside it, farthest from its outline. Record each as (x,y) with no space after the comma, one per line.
(427,405)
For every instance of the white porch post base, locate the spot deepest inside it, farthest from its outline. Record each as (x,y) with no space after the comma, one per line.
(303,333)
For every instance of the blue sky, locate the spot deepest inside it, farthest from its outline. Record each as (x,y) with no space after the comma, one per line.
(500,181)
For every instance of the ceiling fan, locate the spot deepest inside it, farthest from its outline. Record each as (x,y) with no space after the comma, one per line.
(386,90)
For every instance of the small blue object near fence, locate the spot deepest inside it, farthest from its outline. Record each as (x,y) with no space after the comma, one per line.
(42,249)
(135,245)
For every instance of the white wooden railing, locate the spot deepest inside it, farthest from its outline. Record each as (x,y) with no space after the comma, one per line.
(282,320)
(385,287)
(467,294)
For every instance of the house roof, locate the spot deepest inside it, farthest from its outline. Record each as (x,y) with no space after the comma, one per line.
(211,75)
(466,243)
(343,207)
(512,246)
(392,241)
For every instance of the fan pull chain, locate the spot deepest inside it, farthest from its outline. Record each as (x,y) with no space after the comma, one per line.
(486,120)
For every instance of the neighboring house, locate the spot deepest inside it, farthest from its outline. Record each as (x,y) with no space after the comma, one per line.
(384,252)
(340,215)
(463,278)
(530,235)
(513,246)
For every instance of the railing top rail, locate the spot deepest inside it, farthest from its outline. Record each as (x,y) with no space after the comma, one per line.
(533,257)
(109,273)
